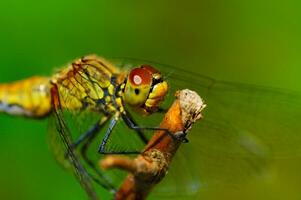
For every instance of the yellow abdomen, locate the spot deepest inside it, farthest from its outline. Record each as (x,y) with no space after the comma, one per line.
(30,97)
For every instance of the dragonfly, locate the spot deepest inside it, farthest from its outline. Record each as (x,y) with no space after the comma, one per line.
(95,108)
(90,84)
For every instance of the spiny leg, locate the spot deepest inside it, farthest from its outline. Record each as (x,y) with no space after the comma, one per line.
(141,135)
(130,122)
(102,147)
(90,136)
(132,125)
(95,128)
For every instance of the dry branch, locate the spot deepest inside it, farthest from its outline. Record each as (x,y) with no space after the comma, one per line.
(150,167)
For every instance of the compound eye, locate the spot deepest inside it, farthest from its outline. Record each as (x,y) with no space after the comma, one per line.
(149,68)
(140,76)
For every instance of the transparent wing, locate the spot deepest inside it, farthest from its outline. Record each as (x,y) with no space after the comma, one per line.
(244,130)
(69,123)
(60,142)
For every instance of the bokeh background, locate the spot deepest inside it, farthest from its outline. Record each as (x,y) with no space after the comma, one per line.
(246,41)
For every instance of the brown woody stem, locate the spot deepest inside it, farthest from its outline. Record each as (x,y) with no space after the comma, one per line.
(150,167)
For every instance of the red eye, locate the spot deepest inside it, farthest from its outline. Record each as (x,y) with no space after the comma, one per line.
(149,68)
(140,76)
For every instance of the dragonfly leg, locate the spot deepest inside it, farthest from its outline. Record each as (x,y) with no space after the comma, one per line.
(132,125)
(95,128)
(102,147)
(90,136)
(141,135)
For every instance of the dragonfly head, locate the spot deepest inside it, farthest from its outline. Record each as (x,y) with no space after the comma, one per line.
(145,89)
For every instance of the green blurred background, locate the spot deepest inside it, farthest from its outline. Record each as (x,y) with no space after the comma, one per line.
(247,41)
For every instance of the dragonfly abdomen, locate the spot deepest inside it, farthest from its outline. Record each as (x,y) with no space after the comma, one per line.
(30,97)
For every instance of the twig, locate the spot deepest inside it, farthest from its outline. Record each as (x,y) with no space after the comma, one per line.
(150,167)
